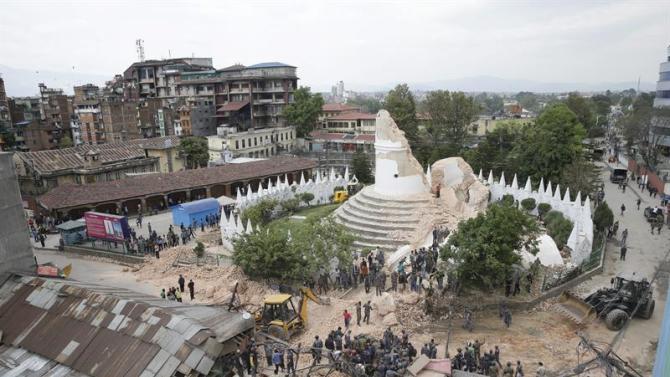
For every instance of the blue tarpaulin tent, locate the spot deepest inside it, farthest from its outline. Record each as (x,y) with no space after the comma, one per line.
(187,213)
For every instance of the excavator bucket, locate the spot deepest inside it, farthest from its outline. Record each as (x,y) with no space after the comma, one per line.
(574,308)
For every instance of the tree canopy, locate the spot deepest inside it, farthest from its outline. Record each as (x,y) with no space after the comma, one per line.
(400,103)
(271,253)
(194,150)
(360,164)
(304,111)
(549,145)
(450,116)
(483,248)
(582,109)
(65,142)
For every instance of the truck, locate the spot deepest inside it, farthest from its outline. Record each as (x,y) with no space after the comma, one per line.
(618,175)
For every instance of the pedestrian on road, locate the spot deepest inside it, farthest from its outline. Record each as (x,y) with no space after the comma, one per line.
(191,289)
(43,238)
(624,237)
(622,255)
(519,369)
(367,308)
(507,318)
(358,313)
(181,282)
(347,318)
(638,203)
(541,372)
(623,208)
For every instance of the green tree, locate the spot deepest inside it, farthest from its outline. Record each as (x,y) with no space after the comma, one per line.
(581,175)
(601,106)
(558,227)
(400,103)
(493,153)
(9,140)
(307,197)
(260,213)
(272,254)
(367,104)
(194,150)
(360,165)
(603,217)
(582,109)
(65,142)
(549,145)
(490,104)
(451,115)
(290,205)
(483,248)
(528,100)
(199,250)
(543,209)
(304,111)
(528,204)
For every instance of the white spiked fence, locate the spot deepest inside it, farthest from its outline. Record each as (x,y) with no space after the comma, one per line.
(581,237)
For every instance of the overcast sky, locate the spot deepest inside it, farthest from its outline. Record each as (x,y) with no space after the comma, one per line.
(361,42)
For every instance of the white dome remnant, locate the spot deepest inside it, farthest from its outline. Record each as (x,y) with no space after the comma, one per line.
(548,253)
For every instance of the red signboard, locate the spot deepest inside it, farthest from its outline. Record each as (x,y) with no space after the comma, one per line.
(106,227)
(49,271)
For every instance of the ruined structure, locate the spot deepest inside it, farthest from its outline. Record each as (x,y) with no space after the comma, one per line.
(403,206)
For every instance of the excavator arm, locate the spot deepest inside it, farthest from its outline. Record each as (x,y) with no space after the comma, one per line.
(308,294)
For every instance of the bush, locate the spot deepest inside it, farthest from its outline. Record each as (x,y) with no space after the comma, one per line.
(199,250)
(508,199)
(306,197)
(314,244)
(558,228)
(543,209)
(528,204)
(339,188)
(261,212)
(290,205)
(603,217)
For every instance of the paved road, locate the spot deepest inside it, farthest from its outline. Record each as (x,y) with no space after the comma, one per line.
(91,271)
(645,254)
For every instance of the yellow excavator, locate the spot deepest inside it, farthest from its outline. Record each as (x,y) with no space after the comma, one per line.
(279,317)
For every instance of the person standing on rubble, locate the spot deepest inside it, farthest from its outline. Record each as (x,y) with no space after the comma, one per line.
(181,281)
(358,313)
(191,289)
(367,308)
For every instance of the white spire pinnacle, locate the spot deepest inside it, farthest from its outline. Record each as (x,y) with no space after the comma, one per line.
(302,179)
(557,193)
(578,199)
(549,191)
(490,179)
(541,188)
(346,174)
(515,183)
(502,179)
(566,197)
(481,176)
(250,229)
(529,186)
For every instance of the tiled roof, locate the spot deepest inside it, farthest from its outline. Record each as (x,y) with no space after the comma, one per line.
(50,161)
(354,115)
(104,331)
(67,196)
(233,106)
(332,107)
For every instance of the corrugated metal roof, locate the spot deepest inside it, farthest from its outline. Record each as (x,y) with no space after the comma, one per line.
(108,332)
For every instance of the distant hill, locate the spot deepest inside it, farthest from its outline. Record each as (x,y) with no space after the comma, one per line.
(23,82)
(497,84)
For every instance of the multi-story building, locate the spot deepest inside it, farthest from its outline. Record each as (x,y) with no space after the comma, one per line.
(257,143)
(88,122)
(119,119)
(351,122)
(53,123)
(156,78)
(660,130)
(197,118)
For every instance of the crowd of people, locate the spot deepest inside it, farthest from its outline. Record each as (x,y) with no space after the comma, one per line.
(474,358)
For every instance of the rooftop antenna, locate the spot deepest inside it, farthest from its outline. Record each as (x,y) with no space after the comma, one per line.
(140,49)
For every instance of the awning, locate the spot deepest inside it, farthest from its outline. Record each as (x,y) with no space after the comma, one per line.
(233,106)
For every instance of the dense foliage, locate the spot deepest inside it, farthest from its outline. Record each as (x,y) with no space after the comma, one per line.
(558,227)
(400,103)
(360,165)
(603,217)
(194,150)
(272,253)
(261,212)
(483,248)
(304,111)
(528,204)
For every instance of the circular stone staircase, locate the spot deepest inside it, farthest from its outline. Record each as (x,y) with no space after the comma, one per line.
(381,221)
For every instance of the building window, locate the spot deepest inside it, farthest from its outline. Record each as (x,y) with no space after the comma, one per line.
(664,76)
(237,144)
(663,93)
(243,143)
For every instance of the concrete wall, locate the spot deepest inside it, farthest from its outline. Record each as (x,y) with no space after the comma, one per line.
(16,253)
